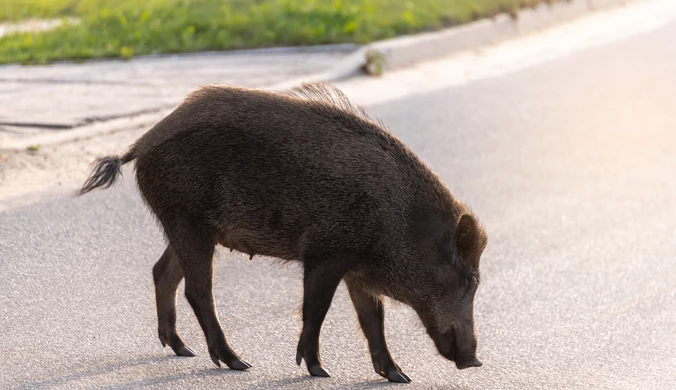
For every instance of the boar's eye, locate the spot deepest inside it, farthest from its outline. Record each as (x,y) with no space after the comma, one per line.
(470,284)
(471,280)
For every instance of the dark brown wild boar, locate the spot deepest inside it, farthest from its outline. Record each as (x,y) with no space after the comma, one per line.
(304,176)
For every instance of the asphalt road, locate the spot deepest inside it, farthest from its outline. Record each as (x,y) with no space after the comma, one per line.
(571,165)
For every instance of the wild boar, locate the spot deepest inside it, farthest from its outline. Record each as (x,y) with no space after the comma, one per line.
(305,176)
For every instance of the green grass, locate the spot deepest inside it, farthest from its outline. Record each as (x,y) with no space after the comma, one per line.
(124,28)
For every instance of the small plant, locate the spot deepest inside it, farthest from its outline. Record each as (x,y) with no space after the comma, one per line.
(126,53)
(374,62)
(510,9)
(33,148)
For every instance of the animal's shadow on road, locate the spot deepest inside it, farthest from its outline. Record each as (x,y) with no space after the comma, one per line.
(108,368)
(292,383)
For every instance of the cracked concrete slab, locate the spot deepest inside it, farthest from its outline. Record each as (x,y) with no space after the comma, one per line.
(68,95)
(62,106)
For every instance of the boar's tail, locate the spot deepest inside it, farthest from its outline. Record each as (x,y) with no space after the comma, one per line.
(106,171)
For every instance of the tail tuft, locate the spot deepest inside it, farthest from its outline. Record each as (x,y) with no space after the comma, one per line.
(105,173)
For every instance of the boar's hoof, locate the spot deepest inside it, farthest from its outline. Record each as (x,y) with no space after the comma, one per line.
(398,377)
(214,359)
(314,369)
(185,351)
(177,345)
(233,364)
(392,373)
(318,371)
(238,364)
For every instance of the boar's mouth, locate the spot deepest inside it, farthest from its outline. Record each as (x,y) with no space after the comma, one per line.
(462,361)
(461,365)
(448,347)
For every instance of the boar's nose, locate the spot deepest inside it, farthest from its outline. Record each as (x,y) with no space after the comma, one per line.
(468,363)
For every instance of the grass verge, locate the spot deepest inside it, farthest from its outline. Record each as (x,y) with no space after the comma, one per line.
(124,28)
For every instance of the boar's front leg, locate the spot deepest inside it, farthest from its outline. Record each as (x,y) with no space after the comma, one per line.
(195,251)
(372,320)
(320,280)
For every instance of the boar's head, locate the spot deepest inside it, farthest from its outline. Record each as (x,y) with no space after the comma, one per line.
(446,279)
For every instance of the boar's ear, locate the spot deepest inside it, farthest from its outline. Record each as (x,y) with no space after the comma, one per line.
(468,238)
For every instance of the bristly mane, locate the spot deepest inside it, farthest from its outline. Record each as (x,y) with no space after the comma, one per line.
(329,94)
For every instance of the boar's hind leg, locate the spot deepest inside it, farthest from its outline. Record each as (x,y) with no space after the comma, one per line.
(372,320)
(320,280)
(195,251)
(167,274)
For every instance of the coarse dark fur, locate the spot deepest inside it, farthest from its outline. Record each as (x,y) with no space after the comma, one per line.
(306,176)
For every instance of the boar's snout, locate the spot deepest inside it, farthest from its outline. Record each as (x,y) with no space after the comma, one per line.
(459,348)
(468,363)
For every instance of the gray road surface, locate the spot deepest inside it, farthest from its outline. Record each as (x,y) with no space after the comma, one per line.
(571,165)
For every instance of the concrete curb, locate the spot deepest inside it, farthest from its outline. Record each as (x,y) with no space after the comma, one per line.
(407,50)
(395,53)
